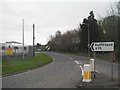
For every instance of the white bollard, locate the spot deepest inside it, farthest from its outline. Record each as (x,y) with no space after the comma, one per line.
(87,73)
(92,65)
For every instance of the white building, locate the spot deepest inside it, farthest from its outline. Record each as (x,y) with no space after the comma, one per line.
(16,47)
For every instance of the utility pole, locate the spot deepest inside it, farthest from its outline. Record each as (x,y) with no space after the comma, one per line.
(33,40)
(88,41)
(23,39)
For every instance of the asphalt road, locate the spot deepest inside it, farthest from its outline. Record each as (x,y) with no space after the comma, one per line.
(63,72)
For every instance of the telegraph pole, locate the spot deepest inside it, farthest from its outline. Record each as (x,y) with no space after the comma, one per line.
(23,39)
(33,40)
(88,41)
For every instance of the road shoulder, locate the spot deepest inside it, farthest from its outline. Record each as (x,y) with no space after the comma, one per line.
(100,81)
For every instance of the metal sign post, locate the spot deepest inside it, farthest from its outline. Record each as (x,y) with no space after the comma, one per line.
(103,46)
(94,65)
(112,57)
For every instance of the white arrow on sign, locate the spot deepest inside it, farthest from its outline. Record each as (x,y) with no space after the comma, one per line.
(102,46)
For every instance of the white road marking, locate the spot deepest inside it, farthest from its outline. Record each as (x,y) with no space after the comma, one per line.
(81,70)
(80,66)
(77,62)
(69,58)
(96,71)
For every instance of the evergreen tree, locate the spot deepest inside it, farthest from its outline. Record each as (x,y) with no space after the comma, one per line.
(90,24)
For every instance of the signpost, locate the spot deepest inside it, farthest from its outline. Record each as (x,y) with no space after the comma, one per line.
(102,46)
(106,47)
(8,51)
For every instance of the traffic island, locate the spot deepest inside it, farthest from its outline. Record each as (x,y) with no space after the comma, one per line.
(100,81)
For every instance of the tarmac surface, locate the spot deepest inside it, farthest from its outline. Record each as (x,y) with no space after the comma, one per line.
(100,81)
(63,72)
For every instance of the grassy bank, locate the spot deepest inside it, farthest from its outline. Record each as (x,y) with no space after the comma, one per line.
(12,66)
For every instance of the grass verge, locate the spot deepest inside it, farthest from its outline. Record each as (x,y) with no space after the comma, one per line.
(12,66)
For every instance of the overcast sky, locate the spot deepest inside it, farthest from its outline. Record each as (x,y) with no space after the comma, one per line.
(48,17)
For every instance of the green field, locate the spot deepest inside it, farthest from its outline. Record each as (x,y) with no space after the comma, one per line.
(12,66)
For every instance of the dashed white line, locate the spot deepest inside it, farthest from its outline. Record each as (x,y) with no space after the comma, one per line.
(77,62)
(69,57)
